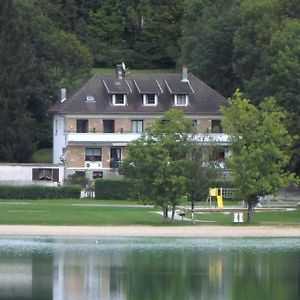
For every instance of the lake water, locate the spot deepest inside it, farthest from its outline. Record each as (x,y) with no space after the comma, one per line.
(149,268)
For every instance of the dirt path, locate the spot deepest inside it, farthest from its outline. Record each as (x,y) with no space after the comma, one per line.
(149,231)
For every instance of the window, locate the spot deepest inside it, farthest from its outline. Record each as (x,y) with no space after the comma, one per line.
(45,174)
(93,154)
(89,98)
(195,125)
(181,100)
(119,99)
(108,126)
(150,99)
(82,126)
(216,126)
(137,126)
(97,174)
(115,157)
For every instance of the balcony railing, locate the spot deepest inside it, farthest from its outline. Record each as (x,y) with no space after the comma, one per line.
(124,138)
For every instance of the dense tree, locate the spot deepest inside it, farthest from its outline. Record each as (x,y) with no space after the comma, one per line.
(200,172)
(15,121)
(133,31)
(267,57)
(167,163)
(260,146)
(156,161)
(36,60)
(207,42)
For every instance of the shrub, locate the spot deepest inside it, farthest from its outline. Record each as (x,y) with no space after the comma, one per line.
(112,189)
(78,178)
(39,192)
(42,156)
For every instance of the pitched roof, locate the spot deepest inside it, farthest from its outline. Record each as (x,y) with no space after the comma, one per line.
(116,86)
(202,98)
(147,86)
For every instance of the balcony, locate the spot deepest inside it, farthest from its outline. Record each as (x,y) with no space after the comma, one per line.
(115,139)
(121,139)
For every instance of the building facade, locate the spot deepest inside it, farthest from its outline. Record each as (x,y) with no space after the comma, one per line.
(93,124)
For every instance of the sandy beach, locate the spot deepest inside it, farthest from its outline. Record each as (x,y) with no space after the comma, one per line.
(150,231)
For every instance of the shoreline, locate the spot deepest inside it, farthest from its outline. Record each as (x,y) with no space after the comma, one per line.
(150,231)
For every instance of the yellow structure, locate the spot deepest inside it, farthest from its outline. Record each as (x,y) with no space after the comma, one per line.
(216,193)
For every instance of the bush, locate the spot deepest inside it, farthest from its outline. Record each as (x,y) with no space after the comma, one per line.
(112,189)
(78,178)
(42,156)
(39,192)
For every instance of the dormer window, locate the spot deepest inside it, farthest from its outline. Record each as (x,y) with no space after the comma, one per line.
(150,99)
(181,100)
(89,98)
(119,99)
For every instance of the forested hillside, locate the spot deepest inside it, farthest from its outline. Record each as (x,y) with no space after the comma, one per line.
(253,45)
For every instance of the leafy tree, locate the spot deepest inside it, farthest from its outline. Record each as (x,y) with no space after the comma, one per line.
(133,31)
(200,172)
(208,28)
(267,58)
(36,60)
(15,121)
(260,148)
(156,161)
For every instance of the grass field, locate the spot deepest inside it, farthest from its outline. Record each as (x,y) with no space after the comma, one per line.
(282,217)
(101,213)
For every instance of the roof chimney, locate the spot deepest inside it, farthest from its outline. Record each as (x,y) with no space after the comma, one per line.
(63,94)
(120,71)
(184,74)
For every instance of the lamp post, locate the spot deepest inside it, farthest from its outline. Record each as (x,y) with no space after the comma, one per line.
(63,160)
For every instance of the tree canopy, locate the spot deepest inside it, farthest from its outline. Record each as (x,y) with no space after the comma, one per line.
(36,60)
(163,164)
(260,146)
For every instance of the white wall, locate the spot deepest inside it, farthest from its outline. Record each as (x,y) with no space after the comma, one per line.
(59,138)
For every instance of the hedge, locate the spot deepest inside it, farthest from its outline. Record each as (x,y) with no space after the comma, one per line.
(112,189)
(39,192)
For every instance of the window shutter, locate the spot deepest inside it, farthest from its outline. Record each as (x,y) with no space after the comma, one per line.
(56,175)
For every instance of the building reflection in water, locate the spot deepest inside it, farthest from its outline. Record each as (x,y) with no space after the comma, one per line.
(89,278)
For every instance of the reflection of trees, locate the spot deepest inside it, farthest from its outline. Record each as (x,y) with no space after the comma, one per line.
(166,275)
(267,275)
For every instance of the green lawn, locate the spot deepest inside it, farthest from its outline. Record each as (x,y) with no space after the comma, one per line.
(88,212)
(282,217)
(68,212)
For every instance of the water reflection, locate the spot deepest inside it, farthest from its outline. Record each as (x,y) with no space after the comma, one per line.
(146,268)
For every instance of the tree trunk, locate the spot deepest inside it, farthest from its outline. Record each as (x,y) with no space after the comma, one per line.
(250,214)
(251,201)
(173,212)
(193,208)
(165,213)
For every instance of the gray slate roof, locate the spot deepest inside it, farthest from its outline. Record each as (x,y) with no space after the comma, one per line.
(202,98)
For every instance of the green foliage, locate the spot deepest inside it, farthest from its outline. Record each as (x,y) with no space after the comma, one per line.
(163,165)
(78,178)
(112,189)
(42,156)
(36,60)
(260,147)
(207,42)
(252,44)
(39,192)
